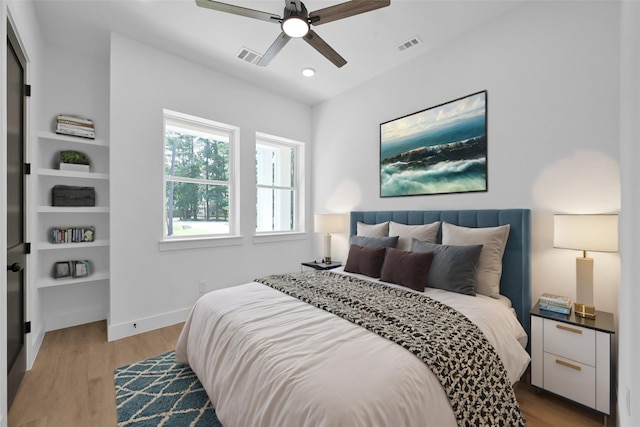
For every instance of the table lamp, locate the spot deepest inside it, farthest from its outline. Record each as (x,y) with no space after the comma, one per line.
(329,223)
(597,233)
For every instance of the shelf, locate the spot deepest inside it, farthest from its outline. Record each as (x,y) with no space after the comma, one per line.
(72,174)
(73,139)
(72,209)
(46,246)
(51,282)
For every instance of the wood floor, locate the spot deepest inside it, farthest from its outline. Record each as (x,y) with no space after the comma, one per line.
(71,383)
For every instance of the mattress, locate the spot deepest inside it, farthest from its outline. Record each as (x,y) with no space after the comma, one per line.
(268,359)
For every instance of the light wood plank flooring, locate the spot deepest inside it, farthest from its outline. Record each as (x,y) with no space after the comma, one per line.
(71,383)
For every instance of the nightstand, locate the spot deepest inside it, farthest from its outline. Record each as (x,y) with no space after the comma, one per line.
(320,265)
(571,357)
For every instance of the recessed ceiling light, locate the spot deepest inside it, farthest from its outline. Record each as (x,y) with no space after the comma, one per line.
(308,72)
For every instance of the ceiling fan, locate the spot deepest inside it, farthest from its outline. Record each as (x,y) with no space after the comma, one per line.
(296,22)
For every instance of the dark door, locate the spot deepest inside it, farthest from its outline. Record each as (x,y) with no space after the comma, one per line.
(16,258)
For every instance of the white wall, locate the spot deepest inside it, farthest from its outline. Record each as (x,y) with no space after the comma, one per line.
(551,70)
(629,374)
(154,288)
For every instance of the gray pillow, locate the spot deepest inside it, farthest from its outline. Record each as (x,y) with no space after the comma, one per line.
(374,242)
(453,268)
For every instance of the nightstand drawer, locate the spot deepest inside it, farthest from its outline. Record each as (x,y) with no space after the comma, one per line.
(570,341)
(571,379)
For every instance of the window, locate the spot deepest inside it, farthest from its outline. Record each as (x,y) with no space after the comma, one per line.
(279,194)
(198,177)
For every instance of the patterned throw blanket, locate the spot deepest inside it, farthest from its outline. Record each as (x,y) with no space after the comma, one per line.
(455,349)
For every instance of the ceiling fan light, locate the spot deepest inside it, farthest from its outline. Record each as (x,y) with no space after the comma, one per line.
(295,26)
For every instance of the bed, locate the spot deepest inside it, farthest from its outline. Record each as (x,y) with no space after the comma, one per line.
(274,353)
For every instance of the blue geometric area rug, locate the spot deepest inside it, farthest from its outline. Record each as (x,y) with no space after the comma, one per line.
(158,392)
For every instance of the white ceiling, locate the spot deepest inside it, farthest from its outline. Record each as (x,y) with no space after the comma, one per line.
(369,42)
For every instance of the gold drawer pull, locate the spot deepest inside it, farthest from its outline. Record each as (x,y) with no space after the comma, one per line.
(566,328)
(568,365)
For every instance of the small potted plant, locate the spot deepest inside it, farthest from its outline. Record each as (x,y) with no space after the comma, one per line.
(74,161)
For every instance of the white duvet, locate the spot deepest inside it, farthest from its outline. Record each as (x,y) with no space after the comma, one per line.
(268,359)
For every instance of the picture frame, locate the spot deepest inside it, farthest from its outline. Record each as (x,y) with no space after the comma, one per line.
(80,268)
(62,269)
(438,150)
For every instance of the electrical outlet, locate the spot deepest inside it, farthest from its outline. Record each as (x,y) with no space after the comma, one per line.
(202,285)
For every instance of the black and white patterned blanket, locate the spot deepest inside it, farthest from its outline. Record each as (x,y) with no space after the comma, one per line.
(455,349)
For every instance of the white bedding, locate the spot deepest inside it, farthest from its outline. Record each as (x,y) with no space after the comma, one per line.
(268,359)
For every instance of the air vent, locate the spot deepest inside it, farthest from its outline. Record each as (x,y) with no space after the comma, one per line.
(248,55)
(410,43)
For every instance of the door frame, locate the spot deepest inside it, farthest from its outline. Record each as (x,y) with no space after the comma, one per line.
(6,18)
(3,212)
(20,365)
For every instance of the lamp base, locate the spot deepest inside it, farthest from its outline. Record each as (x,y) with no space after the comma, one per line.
(584,310)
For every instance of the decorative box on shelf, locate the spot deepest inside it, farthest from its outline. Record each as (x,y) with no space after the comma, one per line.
(67,195)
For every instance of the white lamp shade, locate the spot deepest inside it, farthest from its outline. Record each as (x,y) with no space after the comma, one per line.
(330,223)
(597,233)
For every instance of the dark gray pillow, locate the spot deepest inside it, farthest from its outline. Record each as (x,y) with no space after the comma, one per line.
(406,268)
(367,261)
(374,242)
(453,268)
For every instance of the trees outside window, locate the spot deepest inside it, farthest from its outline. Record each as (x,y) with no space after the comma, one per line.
(198,176)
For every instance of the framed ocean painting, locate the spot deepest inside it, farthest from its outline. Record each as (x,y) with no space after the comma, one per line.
(440,150)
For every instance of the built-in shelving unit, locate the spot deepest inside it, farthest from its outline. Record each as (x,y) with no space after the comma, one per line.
(50,217)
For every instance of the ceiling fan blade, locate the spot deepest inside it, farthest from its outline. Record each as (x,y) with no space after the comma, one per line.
(344,10)
(327,51)
(237,10)
(273,50)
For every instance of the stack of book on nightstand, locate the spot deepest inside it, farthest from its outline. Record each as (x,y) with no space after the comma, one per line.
(69,124)
(555,303)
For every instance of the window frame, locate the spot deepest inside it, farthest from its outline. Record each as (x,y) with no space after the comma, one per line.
(204,240)
(298,187)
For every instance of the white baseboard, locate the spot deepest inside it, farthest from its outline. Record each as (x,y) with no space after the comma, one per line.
(75,318)
(146,324)
(36,342)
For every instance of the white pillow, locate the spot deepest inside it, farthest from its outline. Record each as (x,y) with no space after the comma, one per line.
(424,233)
(493,241)
(373,230)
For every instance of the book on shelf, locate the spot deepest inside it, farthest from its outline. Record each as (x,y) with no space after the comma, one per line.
(555,308)
(70,124)
(73,132)
(72,234)
(74,127)
(74,119)
(79,124)
(556,300)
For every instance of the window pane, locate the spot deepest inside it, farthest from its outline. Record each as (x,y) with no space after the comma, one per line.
(196,209)
(275,165)
(192,154)
(275,210)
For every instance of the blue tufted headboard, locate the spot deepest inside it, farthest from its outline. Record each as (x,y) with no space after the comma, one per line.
(516,261)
